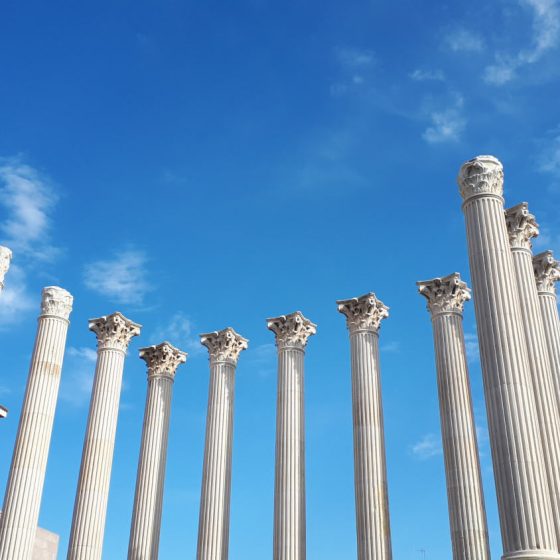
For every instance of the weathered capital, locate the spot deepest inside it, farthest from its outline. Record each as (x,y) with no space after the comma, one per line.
(547,271)
(224,345)
(521,225)
(445,295)
(163,359)
(114,331)
(56,302)
(483,175)
(5,258)
(291,330)
(363,313)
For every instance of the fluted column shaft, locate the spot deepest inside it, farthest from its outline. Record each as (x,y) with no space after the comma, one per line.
(92,494)
(467,514)
(22,501)
(148,499)
(524,504)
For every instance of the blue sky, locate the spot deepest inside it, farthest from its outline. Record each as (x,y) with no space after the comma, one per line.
(200,165)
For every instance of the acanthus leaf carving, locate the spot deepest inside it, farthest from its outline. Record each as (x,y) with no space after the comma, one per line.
(482,175)
(162,359)
(363,313)
(521,225)
(5,259)
(114,331)
(56,302)
(224,345)
(292,331)
(547,272)
(445,295)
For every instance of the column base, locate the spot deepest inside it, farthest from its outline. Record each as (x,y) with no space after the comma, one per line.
(532,555)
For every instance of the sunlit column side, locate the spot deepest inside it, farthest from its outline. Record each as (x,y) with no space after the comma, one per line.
(521,486)
(224,348)
(5,258)
(114,333)
(467,514)
(292,332)
(24,489)
(363,318)
(522,227)
(163,361)
(547,273)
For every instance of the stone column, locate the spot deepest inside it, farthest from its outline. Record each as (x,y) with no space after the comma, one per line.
(5,258)
(522,227)
(547,273)
(114,333)
(163,361)
(521,487)
(467,515)
(292,332)
(363,318)
(213,529)
(24,489)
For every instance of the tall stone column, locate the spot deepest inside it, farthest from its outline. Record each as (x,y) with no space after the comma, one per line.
(363,318)
(22,501)
(521,486)
(292,332)
(163,361)
(114,333)
(522,227)
(5,258)
(224,348)
(547,273)
(467,515)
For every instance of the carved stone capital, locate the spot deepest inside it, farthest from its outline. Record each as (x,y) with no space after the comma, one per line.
(292,331)
(445,295)
(5,258)
(114,331)
(547,272)
(56,302)
(224,345)
(481,176)
(363,313)
(163,359)
(521,225)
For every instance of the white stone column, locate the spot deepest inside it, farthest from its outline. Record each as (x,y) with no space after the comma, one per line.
(292,332)
(224,348)
(522,227)
(521,486)
(5,258)
(363,318)
(547,273)
(467,514)
(114,333)
(163,361)
(24,489)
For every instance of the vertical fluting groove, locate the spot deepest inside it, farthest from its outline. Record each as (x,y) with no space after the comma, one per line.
(213,531)
(521,487)
(549,313)
(289,497)
(90,510)
(467,515)
(148,500)
(541,376)
(372,509)
(22,500)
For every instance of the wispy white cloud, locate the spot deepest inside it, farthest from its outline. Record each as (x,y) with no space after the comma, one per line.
(15,299)
(353,57)
(448,124)
(464,40)
(263,359)
(549,157)
(422,75)
(180,332)
(355,63)
(427,447)
(546,35)
(471,347)
(79,369)
(392,346)
(122,278)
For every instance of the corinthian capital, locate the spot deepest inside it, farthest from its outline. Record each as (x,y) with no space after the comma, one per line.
(291,330)
(363,313)
(547,271)
(56,302)
(224,345)
(445,295)
(521,225)
(483,175)
(114,331)
(5,258)
(163,359)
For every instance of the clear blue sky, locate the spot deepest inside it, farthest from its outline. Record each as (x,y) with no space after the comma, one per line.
(199,165)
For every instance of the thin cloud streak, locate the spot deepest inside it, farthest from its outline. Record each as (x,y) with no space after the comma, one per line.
(447,125)
(427,447)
